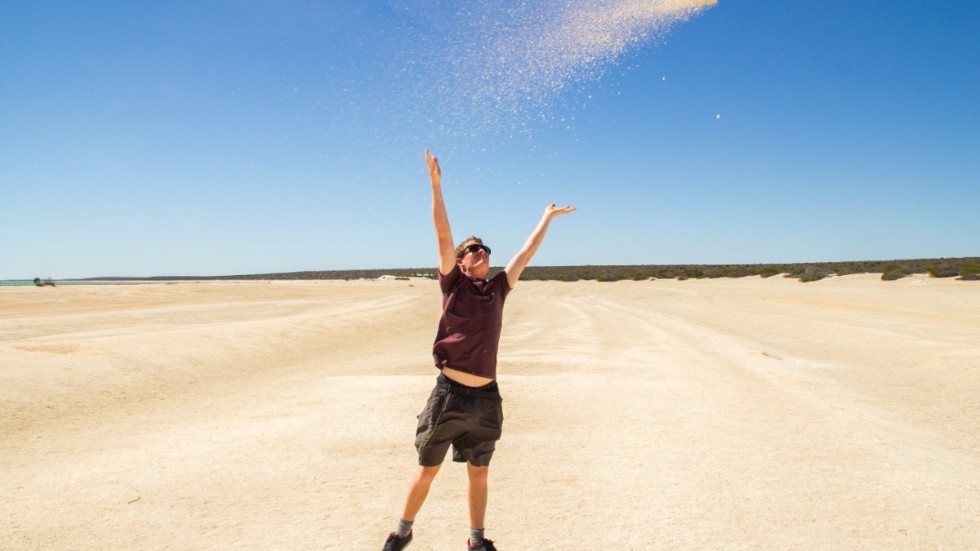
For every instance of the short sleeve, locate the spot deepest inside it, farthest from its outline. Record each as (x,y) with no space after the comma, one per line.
(448,281)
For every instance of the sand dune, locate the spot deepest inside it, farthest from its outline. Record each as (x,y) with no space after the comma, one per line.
(702,414)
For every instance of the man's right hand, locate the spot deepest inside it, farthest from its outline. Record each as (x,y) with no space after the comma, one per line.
(435,173)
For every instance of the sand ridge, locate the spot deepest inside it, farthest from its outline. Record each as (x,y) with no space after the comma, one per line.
(728,414)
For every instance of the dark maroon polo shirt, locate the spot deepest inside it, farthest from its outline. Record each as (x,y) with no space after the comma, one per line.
(469,330)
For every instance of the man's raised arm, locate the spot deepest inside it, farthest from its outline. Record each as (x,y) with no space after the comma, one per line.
(517,264)
(444,234)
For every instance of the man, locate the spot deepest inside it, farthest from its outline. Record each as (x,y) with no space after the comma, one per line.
(464,409)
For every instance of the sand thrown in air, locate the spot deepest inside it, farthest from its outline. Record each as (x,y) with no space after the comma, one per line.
(500,67)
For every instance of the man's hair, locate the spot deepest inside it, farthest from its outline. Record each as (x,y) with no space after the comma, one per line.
(472,238)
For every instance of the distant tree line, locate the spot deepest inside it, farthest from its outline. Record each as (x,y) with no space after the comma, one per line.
(960,268)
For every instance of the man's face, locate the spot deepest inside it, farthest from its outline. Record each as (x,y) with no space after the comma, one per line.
(475,261)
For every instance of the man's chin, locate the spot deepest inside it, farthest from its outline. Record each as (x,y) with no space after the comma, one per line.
(479,271)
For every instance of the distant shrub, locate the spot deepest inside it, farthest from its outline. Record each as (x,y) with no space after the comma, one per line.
(725,271)
(687,273)
(608,277)
(943,270)
(892,272)
(568,277)
(814,273)
(769,272)
(970,272)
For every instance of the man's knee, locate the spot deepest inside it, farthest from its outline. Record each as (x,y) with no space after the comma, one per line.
(427,474)
(477,474)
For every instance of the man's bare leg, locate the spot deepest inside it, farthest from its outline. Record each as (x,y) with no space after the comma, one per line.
(418,491)
(477,494)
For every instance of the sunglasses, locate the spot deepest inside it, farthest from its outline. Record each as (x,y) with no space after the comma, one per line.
(472,248)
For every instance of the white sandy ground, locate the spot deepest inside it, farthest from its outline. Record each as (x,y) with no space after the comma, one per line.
(717,414)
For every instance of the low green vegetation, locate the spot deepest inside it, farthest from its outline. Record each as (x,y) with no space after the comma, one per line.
(892,272)
(814,273)
(970,272)
(768,271)
(960,268)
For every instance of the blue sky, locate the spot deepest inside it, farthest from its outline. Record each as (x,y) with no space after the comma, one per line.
(240,137)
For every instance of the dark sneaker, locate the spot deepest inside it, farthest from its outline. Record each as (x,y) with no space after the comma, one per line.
(395,543)
(487,545)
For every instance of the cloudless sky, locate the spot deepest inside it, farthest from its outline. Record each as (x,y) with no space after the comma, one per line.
(224,137)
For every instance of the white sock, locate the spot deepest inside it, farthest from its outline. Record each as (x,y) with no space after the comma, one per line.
(404,528)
